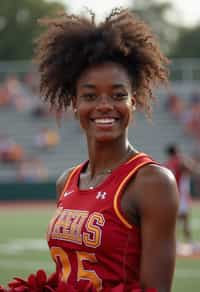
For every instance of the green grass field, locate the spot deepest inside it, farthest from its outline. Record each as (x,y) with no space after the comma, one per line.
(23,247)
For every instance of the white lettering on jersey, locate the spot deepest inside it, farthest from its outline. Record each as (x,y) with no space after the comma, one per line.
(68,193)
(101,195)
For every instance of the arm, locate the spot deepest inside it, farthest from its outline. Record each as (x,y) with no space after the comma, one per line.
(156,193)
(190,165)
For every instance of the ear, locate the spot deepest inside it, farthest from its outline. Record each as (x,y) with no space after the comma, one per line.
(133,101)
(74,104)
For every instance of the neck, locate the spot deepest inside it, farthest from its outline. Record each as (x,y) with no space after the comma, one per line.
(104,158)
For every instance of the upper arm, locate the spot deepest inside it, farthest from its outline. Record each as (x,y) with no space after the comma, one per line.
(60,183)
(158,201)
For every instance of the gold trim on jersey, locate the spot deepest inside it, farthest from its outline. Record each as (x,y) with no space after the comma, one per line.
(116,209)
(78,166)
(69,179)
(135,157)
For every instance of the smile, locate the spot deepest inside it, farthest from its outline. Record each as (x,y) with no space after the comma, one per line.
(104,121)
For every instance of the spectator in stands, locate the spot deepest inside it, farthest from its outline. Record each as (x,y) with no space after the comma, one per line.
(191,118)
(46,138)
(10,151)
(175,105)
(32,169)
(4,96)
(31,79)
(18,93)
(40,111)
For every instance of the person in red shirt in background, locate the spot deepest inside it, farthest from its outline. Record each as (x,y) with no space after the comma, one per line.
(182,167)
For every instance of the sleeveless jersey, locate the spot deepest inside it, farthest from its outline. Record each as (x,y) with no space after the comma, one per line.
(90,239)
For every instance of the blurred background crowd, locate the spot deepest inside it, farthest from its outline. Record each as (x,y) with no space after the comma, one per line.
(37,144)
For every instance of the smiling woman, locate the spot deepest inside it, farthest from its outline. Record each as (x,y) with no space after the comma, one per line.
(107,233)
(104,102)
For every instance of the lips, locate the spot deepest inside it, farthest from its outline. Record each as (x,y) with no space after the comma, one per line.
(104,121)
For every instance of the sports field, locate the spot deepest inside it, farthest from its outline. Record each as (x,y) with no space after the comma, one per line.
(23,248)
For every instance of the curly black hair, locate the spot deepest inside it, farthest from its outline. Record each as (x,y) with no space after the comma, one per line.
(71,43)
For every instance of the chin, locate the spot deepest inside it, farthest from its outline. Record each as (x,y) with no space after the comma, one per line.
(105,137)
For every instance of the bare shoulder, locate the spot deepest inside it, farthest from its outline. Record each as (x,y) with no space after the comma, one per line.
(154,174)
(156,186)
(60,182)
(157,198)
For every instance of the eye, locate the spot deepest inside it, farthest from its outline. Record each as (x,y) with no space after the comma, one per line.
(88,96)
(120,96)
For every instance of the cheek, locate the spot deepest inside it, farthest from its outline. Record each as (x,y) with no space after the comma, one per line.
(128,113)
(83,114)
(129,117)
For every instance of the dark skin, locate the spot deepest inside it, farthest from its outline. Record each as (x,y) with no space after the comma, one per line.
(104,105)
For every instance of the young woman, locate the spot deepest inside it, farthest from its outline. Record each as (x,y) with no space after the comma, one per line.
(115,222)
(114,228)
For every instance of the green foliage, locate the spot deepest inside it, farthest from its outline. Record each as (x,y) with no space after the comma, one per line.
(19,27)
(156,15)
(175,39)
(188,43)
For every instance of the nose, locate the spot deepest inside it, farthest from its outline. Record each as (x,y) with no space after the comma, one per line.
(104,103)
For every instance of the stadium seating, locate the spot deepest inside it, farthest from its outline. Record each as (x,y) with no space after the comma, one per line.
(150,137)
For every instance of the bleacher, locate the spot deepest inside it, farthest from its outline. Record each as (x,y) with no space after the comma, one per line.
(151,137)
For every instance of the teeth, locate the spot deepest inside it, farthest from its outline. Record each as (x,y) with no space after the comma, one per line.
(104,121)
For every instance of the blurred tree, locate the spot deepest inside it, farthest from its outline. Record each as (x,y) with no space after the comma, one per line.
(157,15)
(187,44)
(18,25)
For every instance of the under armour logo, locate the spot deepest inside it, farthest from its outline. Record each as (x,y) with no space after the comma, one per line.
(101,195)
(67,193)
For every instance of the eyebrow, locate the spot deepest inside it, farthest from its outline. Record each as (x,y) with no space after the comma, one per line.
(118,85)
(88,85)
(92,86)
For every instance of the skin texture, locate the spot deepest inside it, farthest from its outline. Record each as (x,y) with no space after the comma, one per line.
(150,199)
(104,91)
(155,195)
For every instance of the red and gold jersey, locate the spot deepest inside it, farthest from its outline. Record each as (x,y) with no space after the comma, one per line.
(89,237)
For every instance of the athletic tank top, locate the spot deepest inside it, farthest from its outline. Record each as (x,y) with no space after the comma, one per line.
(90,239)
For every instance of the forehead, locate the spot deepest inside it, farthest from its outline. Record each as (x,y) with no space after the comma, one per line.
(108,73)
